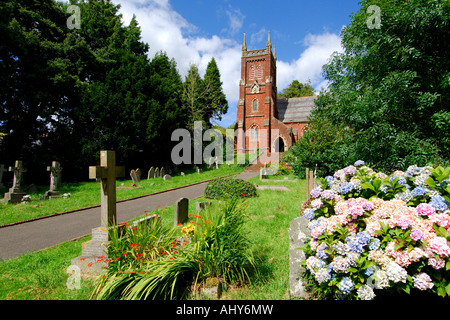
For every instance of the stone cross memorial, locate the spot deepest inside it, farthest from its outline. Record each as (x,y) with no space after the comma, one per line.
(107,172)
(15,194)
(55,173)
(89,262)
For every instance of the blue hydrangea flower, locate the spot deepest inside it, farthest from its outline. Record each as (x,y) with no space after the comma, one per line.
(439,203)
(315,193)
(374,244)
(321,254)
(330,180)
(309,214)
(369,271)
(346,285)
(419,191)
(359,163)
(346,188)
(354,245)
(363,238)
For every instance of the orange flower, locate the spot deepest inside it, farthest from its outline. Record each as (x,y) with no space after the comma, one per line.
(90,264)
(82,259)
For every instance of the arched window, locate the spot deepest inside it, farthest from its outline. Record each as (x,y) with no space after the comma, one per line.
(254,133)
(259,70)
(251,75)
(255,105)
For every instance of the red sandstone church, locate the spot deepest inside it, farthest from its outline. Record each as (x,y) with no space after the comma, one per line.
(259,111)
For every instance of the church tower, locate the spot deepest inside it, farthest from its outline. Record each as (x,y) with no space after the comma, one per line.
(257,98)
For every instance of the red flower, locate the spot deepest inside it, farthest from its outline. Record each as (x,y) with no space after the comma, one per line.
(82,259)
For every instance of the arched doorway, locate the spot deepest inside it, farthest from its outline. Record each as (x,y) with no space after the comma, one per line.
(279,145)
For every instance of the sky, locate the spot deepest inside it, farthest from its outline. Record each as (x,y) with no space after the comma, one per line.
(303,33)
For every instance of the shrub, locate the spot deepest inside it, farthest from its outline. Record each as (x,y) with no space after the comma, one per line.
(226,188)
(157,263)
(374,231)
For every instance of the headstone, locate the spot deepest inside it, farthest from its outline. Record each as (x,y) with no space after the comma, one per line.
(199,170)
(167,177)
(181,211)
(138,175)
(262,173)
(199,206)
(298,233)
(211,162)
(133,176)
(2,169)
(89,262)
(157,173)
(55,172)
(151,173)
(15,193)
(182,174)
(148,220)
(107,172)
(162,172)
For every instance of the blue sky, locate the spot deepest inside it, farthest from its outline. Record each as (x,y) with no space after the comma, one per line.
(304,34)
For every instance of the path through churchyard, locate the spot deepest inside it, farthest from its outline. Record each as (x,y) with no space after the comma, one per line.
(40,234)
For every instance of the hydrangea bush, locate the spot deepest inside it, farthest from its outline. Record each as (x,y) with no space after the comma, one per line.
(371,232)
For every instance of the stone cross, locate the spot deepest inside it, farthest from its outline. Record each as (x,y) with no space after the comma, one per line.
(2,169)
(107,172)
(18,170)
(55,172)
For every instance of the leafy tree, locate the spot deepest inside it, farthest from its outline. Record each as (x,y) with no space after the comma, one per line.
(297,89)
(391,86)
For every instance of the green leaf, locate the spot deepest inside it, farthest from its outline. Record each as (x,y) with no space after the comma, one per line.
(447,288)
(441,291)
(430,182)
(367,185)
(447,266)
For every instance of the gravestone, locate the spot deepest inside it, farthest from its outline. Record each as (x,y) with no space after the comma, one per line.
(138,175)
(298,233)
(182,174)
(199,170)
(157,172)
(2,169)
(162,172)
(181,211)
(55,172)
(216,160)
(211,162)
(89,262)
(201,205)
(133,176)
(148,220)
(15,193)
(167,177)
(151,173)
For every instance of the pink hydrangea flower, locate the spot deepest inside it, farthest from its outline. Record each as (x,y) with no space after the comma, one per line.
(422,281)
(425,209)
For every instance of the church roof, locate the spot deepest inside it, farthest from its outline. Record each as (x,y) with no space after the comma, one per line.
(295,109)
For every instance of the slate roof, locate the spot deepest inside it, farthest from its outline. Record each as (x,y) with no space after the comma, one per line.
(295,109)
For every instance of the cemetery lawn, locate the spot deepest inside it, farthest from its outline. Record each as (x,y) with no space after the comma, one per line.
(42,275)
(86,194)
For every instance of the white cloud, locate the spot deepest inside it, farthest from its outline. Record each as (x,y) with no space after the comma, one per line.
(165,29)
(309,64)
(236,20)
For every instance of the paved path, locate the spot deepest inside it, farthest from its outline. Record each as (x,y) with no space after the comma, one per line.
(40,234)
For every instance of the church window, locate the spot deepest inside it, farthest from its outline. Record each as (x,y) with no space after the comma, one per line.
(259,70)
(254,134)
(251,74)
(255,105)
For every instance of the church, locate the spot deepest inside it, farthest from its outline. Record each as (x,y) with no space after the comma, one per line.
(263,120)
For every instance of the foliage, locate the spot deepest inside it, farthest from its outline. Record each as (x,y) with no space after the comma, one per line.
(374,231)
(389,88)
(296,90)
(216,101)
(151,262)
(226,188)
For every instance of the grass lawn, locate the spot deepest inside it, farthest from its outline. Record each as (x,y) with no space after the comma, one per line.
(86,194)
(42,275)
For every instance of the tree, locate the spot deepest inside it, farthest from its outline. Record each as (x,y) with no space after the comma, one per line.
(216,102)
(391,85)
(297,89)
(194,97)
